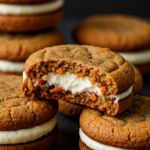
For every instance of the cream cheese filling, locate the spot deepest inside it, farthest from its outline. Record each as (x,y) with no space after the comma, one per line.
(12,67)
(70,82)
(137,58)
(94,145)
(29,134)
(9,9)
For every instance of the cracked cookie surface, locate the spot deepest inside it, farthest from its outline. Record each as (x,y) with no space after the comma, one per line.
(17,112)
(131,129)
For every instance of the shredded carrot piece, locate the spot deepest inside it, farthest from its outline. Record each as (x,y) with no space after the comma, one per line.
(7,108)
(104,50)
(40,82)
(81,95)
(93,79)
(65,55)
(97,119)
(121,69)
(69,96)
(63,46)
(50,64)
(141,109)
(142,125)
(6,100)
(103,90)
(79,75)
(20,106)
(18,100)
(38,75)
(59,71)
(94,72)
(105,105)
(120,128)
(93,97)
(93,106)
(41,73)
(105,116)
(30,86)
(57,89)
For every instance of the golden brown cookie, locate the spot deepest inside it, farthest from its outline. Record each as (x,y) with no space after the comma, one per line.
(82,146)
(138,82)
(129,130)
(70,109)
(127,32)
(24,23)
(24,45)
(145,69)
(87,75)
(25,115)
(24,1)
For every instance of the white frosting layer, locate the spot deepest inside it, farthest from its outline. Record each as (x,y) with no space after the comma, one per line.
(70,82)
(137,58)
(27,135)
(9,9)
(95,145)
(9,66)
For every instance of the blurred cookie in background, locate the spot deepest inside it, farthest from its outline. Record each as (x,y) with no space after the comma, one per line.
(127,35)
(16,48)
(24,16)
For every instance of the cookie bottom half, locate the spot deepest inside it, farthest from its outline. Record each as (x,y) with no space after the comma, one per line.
(145,69)
(41,144)
(70,109)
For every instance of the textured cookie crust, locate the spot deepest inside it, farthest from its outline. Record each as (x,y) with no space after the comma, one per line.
(138,82)
(29,23)
(118,32)
(82,146)
(17,112)
(41,144)
(24,45)
(24,1)
(145,69)
(70,109)
(131,129)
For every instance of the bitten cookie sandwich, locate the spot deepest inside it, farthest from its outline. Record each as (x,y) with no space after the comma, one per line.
(127,35)
(25,123)
(129,130)
(87,75)
(15,48)
(30,16)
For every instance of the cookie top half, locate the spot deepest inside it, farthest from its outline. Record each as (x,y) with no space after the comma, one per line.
(131,129)
(18,47)
(109,69)
(17,112)
(118,32)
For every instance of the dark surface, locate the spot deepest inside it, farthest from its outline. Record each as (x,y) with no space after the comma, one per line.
(68,135)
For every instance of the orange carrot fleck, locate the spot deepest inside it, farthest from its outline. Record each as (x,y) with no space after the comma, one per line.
(105,116)
(79,75)
(99,120)
(65,55)
(38,75)
(93,97)
(93,79)
(94,72)
(7,108)
(103,90)
(30,86)
(69,96)
(121,69)
(18,100)
(20,106)
(40,82)
(57,89)
(59,71)
(98,52)
(142,125)
(50,64)
(93,106)
(104,50)
(105,105)
(81,95)
(120,128)
(41,73)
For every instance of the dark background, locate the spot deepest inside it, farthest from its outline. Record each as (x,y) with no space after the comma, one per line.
(75,11)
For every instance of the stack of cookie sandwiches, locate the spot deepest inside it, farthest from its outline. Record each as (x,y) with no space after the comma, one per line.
(131,36)
(25,27)
(87,75)
(26,123)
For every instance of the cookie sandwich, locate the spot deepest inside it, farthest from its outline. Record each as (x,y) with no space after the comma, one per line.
(129,130)
(87,75)
(25,123)
(30,15)
(127,35)
(15,48)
